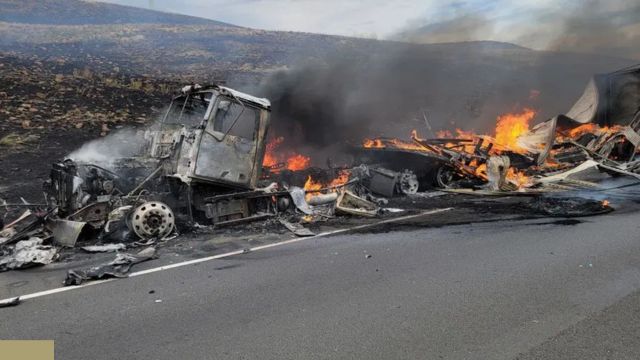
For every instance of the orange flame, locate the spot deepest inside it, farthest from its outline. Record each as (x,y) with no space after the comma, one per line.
(510,126)
(518,177)
(593,128)
(311,185)
(583,129)
(372,143)
(392,144)
(270,158)
(298,162)
(294,162)
(481,171)
(341,179)
(444,134)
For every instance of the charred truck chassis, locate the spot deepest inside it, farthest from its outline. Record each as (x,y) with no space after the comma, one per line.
(203,160)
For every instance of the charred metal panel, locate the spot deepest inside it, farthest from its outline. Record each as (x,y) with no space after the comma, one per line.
(225,148)
(228,161)
(165,141)
(187,154)
(225,210)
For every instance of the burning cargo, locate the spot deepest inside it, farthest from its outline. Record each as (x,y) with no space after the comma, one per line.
(601,130)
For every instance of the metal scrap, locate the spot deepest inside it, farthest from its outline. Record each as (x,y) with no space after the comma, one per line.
(298,197)
(26,225)
(104,248)
(65,232)
(118,268)
(350,203)
(297,229)
(321,199)
(28,253)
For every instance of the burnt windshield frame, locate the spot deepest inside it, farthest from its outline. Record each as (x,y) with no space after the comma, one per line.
(187,103)
(219,135)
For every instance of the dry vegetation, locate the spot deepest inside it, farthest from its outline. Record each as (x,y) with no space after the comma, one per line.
(37,94)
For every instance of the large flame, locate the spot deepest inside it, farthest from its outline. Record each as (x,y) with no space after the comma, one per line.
(510,126)
(313,186)
(273,158)
(298,162)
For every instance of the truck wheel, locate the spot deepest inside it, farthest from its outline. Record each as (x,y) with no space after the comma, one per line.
(444,177)
(152,219)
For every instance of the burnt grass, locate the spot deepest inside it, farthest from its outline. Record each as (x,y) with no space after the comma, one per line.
(50,108)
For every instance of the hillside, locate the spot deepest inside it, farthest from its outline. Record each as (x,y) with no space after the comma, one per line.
(78,12)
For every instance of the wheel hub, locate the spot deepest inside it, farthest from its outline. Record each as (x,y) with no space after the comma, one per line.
(152,219)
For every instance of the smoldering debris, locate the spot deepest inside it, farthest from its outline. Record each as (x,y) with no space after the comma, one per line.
(26,225)
(600,131)
(297,229)
(104,248)
(28,253)
(568,207)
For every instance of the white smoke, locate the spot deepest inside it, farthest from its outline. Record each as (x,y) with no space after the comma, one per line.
(103,151)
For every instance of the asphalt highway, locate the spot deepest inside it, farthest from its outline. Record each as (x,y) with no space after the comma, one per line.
(542,289)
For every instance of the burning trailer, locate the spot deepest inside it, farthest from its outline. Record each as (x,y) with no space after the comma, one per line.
(601,131)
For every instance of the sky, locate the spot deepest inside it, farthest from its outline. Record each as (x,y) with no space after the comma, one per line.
(368,18)
(533,23)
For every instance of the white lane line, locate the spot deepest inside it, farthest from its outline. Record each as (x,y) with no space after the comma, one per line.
(220,256)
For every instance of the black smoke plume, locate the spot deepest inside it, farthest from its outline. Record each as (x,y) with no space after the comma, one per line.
(389,90)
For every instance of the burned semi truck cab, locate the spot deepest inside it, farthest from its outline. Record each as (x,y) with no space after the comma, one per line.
(211,142)
(213,135)
(207,148)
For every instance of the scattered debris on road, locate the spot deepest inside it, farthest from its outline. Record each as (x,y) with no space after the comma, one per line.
(10,302)
(104,248)
(118,268)
(28,253)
